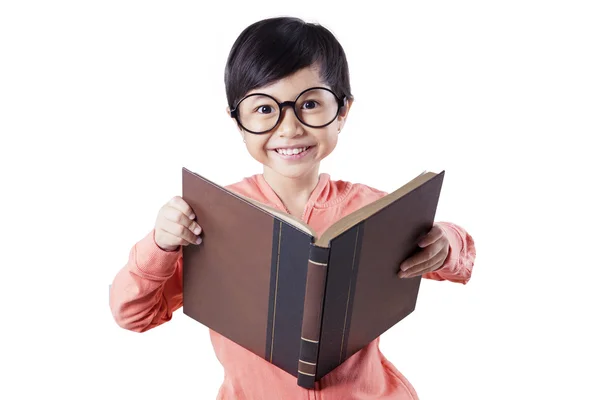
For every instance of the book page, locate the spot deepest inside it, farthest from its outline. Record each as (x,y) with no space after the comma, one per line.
(365,212)
(290,219)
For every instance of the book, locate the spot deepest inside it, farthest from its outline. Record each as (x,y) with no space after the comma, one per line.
(263,279)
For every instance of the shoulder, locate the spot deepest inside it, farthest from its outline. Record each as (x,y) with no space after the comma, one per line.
(368,190)
(343,192)
(246,186)
(249,187)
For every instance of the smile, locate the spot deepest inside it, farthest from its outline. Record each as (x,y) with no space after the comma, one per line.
(293,153)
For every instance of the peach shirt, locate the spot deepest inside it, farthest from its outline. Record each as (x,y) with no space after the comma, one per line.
(148,289)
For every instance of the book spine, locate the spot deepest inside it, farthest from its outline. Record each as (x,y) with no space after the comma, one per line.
(313,309)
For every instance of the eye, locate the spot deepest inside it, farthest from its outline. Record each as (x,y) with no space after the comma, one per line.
(310,104)
(265,109)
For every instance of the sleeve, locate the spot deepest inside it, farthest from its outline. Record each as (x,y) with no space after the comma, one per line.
(461,256)
(148,289)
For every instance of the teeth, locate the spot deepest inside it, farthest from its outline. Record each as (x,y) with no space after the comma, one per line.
(290,152)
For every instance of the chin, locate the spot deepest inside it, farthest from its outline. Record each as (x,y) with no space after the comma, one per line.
(294,172)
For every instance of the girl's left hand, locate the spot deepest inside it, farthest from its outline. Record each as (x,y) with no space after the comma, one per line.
(435,250)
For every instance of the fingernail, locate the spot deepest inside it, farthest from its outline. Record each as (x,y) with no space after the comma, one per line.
(199,240)
(191,216)
(197,230)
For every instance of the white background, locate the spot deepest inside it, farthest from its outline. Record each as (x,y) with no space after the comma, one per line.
(102,103)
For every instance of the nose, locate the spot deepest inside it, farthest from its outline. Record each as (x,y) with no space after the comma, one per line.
(289,126)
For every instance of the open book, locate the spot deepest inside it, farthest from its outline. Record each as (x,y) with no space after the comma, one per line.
(263,279)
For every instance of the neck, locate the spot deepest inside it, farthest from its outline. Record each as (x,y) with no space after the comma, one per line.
(293,192)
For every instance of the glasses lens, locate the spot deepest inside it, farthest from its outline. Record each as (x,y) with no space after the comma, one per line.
(258,113)
(317,107)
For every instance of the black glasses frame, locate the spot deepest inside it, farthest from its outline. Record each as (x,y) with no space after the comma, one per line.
(341,104)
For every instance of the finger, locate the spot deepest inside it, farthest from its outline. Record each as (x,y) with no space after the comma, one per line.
(434,235)
(432,268)
(420,269)
(175,215)
(422,256)
(178,203)
(175,240)
(440,257)
(180,231)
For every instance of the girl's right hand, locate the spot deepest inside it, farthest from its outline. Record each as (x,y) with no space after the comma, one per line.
(175,225)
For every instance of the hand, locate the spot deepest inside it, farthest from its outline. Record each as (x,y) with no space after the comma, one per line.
(175,225)
(435,250)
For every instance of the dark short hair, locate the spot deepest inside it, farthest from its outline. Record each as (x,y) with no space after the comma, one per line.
(271,49)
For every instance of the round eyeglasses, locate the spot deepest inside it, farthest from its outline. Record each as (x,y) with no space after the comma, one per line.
(315,107)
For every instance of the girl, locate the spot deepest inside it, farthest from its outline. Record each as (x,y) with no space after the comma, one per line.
(288,90)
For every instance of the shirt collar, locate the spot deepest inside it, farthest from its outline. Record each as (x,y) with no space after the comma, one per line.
(318,195)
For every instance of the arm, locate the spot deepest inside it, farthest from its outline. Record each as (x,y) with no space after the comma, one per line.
(461,256)
(148,289)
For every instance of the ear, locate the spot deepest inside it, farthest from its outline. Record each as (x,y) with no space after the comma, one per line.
(344,111)
(242,133)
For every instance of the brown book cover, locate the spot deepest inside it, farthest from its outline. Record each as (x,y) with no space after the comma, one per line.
(304,303)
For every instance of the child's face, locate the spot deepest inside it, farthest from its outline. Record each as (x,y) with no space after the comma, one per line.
(290,133)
